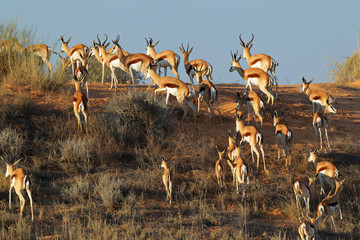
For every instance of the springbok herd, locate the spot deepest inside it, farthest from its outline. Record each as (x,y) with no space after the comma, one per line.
(261,72)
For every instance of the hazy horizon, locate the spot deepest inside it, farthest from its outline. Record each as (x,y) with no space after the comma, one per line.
(301,36)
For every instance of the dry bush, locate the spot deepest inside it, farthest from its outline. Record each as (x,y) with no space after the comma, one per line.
(79,190)
(74,154)
(109,189)
(347,71)
(12,144)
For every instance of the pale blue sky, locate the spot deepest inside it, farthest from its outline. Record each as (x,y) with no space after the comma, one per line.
(300,35)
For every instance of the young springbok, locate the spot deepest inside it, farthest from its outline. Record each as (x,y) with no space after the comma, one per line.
(19,181)
(303,190)
(330,203)
(80,100)
(308,229)
(231,152)
(251,135)
(220,167)
(324,170)
(254,102)
(208,93)
(167,178)
(320,125)
(284,137)
(241,171)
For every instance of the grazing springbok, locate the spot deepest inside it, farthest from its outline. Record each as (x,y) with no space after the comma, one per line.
(73,53)
(303,190)
(19,181)
(231,152)
(308,229)
(284,138)
(324,170)
(220,167)
(196,63)
(80,100)
(262,61)
(183,92)
(254,76)
(251,135)
(320,125)
(208,93)
(241,171)
(252,101)
(11,44)
(167,177)
(330,203)
(319,98)
(165,58)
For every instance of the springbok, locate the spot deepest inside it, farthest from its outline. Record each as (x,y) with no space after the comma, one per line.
(262,61)
(253,76)
(323,169)
(19,181)
(167,177)
(80,100)
(303,190)
(73,53)
(320,125)
(183,92)
(308,229)
(196,63)
(138,62)
(43,51)
(319,98)
(208,93)
(220,167)
(254,102)
(284,137)
(251,135)
(165,59)
(231,152)
(330,203)
(241,171)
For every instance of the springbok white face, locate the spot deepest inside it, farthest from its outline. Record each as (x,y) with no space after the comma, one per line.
(330,108)
(305,85)
(234,61)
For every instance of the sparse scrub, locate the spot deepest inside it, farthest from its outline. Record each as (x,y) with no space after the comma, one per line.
(109,189)
(12,144)
(347,71)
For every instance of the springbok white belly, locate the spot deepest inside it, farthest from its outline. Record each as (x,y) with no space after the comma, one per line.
(256,65)
(136,66)
(172,91)
(254,81)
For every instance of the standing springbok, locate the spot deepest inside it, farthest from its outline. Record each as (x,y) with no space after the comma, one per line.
(330,203)
(80,100)
(132,62)
(167,177)
(183,92)
(166,58)
(308,229)
(254,76)
(319,98)
(231,152)
(196,63)
(303,190)
(19,181)
(284,137)
(320,125)
(208,93)
(262,61)
(241,171)
(220,167)
(73,53)
(254,102)
(324,169)
(251,135)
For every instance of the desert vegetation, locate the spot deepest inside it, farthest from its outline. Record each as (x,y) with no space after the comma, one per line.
(107,184)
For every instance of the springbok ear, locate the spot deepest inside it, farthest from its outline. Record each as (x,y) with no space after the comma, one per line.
(316,151)
(217,148)
(303,79)
(250,46)
(229,133)
(310,81)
